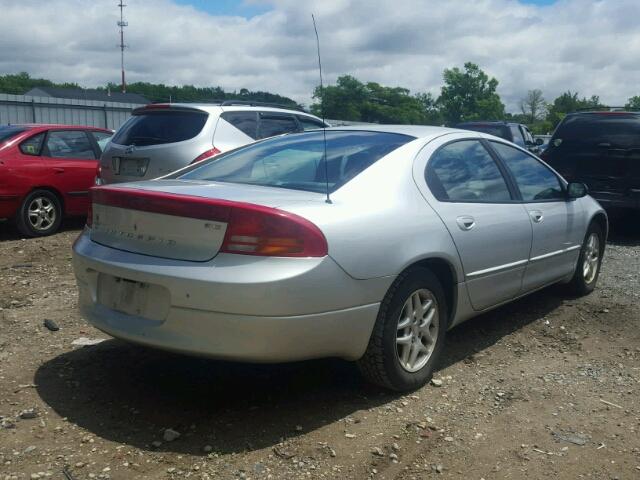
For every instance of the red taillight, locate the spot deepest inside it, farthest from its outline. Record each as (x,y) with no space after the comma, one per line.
(251,229)
(256,230)
(212,152)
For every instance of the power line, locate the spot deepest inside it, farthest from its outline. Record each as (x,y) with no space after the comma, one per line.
(122,23)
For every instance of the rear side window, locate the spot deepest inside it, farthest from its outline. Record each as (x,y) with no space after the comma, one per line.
(32,145)
(619,130)
(309,123)
(102,138)
(155,128)
(298,161)
(246,122)
(272,125)
(465,172)
(6,133)
(535,181)
(69,144)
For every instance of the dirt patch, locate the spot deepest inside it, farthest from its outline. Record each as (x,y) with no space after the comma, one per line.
(546,387)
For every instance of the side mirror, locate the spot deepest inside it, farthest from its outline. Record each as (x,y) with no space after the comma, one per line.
(576,190)
(539,141)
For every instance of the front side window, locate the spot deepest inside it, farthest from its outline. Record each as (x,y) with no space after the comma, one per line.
(464,171)
(298,161)
(270,126)
(535,181)
(69,144)
(32,145)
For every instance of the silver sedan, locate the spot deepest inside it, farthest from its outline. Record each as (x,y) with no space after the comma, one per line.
(365,244)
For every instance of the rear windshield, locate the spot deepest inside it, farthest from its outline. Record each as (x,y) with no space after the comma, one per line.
(621,130)
(297,161)
(154,128)
(501,131)
(8,132)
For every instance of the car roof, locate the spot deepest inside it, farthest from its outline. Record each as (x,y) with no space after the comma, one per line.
(417,131)
(217,108)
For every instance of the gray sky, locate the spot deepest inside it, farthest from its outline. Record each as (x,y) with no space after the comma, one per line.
(591,46)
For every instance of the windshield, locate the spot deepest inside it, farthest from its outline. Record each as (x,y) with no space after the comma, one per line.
(8,132)
(297,161)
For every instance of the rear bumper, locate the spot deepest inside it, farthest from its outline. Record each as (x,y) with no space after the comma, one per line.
(234,307)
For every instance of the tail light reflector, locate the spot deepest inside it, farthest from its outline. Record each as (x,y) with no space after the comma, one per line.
(212,152)
(251,229)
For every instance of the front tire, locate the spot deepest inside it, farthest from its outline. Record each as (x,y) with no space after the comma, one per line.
(40,214)
(588,268)
(409,333)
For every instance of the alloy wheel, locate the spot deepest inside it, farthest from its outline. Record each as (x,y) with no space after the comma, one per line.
(417,330)
(591,258)
(41,213)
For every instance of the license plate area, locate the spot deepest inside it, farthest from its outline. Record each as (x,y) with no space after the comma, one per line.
(130,167)
(127,296)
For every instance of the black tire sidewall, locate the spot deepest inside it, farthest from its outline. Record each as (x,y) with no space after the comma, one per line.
(22,219)
(401,379)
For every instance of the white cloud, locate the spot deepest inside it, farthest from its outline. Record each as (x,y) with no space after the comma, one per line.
(590,46)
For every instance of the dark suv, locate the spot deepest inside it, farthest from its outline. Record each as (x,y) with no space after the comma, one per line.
(514,132)
(602,150)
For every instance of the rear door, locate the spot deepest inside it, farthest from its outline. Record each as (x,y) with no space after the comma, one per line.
(557,223)
(488,225)
(70,160)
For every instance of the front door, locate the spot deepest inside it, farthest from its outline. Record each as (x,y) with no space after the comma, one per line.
(556,221)
(489,227)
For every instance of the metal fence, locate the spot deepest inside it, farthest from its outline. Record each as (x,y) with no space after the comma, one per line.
(28,109)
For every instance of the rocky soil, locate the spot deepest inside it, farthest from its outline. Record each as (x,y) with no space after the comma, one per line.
(547,387)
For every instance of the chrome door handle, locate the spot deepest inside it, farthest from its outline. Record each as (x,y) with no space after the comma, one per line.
(466,222)
(536,216)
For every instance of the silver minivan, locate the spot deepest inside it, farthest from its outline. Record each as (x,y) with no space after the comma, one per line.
(161,138)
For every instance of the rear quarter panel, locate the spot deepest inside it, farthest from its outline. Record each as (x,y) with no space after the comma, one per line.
(378,224)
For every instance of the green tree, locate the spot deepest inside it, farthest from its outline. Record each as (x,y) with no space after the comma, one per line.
(633,103)
(350,99)
(469,94)
(570,102)
(430,108)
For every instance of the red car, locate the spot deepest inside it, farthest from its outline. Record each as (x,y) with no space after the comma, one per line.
(46,172)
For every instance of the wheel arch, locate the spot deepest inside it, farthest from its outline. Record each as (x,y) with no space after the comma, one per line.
(50,189)
(446,274)
(600,219)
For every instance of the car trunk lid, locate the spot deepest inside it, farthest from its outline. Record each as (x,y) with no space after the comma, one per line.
(178,219)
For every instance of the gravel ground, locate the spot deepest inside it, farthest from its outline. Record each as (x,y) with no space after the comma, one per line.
(546,387)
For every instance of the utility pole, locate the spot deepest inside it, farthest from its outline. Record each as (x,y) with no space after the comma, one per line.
(122,45)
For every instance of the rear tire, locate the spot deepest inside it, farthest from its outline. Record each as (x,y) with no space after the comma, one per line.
(409,333)
(40,214)
(588,268)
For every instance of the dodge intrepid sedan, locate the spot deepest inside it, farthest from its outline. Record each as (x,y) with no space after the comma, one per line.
(364,244)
